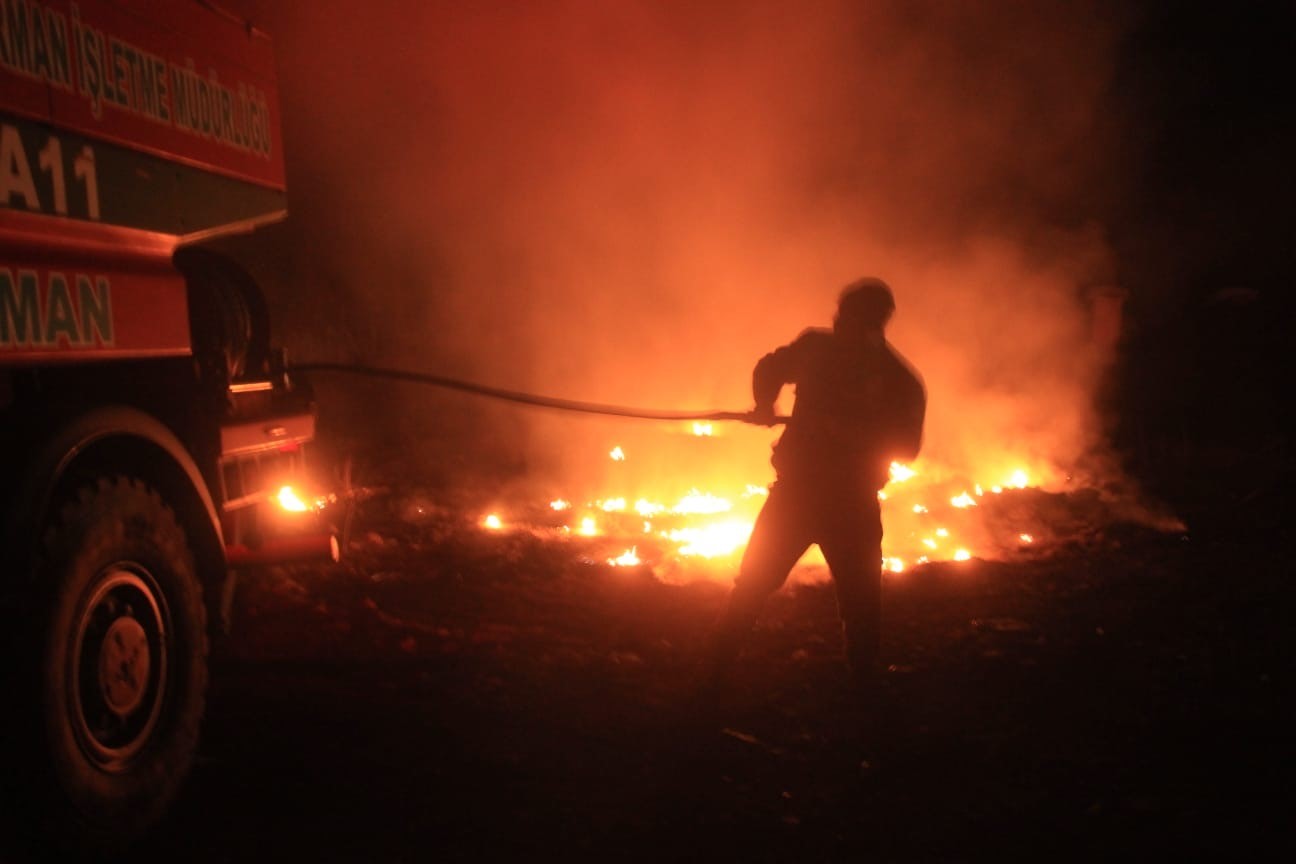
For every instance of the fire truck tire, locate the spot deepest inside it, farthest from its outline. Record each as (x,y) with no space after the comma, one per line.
(122,641)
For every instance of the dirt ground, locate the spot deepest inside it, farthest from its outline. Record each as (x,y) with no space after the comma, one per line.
(447,693)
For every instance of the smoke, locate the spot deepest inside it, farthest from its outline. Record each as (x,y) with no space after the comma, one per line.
(632,202)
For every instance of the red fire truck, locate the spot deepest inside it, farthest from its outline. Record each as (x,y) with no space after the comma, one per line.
(147,427)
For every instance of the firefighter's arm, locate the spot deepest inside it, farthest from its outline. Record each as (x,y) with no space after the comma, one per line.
(772,371)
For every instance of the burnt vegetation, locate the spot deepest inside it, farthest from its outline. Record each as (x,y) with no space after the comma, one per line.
(474,693)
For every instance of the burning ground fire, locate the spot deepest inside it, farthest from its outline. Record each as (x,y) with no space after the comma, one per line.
(930,515)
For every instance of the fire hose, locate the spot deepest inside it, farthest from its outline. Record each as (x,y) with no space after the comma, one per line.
(535,400)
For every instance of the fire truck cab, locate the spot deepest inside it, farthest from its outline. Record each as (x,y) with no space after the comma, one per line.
(147,426)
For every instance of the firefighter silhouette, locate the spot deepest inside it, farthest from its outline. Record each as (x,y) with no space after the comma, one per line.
(859,406)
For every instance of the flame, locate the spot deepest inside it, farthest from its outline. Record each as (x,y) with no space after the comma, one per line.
(644,507)
(628,558)
(289,500)
(930,514)
(702,502)
(901,473)
(712,541)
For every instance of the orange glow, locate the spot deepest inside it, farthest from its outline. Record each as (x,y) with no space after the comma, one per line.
(289,500)
(701,502)
(901,473)
(493,522)
(681,240)
(644,520)
(712,541)
(644,507)
(629,558)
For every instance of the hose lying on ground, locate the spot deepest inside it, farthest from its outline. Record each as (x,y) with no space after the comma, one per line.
(533,399)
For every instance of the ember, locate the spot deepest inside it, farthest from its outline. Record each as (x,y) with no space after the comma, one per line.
(701,531)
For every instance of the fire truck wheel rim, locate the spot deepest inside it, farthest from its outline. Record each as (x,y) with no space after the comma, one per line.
(119,662)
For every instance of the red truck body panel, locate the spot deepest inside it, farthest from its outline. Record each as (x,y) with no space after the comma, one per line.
(180,80)
(126,126)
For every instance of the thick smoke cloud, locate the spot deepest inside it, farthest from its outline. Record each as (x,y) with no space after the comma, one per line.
(631,202)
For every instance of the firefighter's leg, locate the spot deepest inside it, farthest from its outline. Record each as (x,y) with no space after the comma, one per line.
(852,546)
(779,537)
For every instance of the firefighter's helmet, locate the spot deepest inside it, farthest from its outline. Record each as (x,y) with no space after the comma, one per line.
(866,301)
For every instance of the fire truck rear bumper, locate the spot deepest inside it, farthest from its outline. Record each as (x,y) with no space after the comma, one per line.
(289,549)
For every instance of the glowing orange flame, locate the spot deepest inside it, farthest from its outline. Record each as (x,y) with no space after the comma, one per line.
(901,473)
(716,524)
(289,500)
(712,541)
(702,502)
(629,558)
(644,507)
